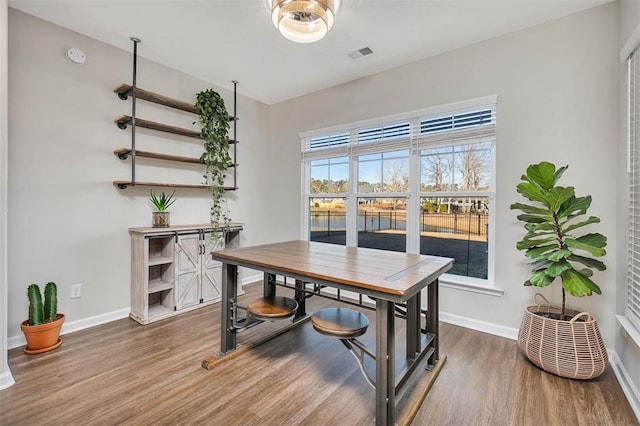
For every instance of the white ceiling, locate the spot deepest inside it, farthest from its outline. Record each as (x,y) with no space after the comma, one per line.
(224,40)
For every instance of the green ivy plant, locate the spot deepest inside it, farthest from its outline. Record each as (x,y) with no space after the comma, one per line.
(552,245)
(214,125)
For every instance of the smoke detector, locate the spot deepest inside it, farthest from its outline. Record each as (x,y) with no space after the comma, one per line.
(76,56)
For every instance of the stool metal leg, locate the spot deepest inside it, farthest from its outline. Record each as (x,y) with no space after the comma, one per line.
(349,344)
(300,298)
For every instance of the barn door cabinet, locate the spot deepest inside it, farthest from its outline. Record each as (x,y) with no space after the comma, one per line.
(172,271)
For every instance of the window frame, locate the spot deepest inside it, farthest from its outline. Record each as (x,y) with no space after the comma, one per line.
(415,142)
(630,320)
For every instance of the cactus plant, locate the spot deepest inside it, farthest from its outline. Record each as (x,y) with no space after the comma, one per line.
(39,313)
(36,313)
(50,302)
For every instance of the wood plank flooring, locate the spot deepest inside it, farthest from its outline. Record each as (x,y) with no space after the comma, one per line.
(127,374)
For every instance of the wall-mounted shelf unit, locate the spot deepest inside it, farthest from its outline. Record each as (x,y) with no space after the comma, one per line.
(124,91)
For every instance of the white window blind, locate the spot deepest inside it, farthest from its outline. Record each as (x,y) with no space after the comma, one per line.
(633,282)
(446,126)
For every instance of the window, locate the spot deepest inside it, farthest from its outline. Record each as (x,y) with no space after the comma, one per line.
(330,176)
(454,225)
(384,172)
(633,272)
(421,182)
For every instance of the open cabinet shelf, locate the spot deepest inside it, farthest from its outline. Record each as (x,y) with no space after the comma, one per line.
(172,271)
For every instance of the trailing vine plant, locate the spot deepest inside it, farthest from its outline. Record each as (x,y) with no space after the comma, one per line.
(214,125)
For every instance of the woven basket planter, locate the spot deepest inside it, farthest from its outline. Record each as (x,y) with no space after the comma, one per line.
(571,348)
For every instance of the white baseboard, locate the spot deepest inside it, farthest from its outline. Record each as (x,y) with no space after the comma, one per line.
(485,327)
(70,327)
(626,383)
(6,379)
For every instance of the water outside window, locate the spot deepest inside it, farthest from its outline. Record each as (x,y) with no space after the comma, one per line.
(382,223)
(328,220)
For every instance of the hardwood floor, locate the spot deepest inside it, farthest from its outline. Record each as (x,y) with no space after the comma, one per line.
(125,373)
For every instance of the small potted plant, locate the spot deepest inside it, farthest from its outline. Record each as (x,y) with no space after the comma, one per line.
(162,202)
(559,340)
(42,329)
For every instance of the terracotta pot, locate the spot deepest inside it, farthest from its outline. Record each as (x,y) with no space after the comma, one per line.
(42,337)
(160,219)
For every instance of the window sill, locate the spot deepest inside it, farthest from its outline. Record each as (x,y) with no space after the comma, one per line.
(470,284)
(629,328)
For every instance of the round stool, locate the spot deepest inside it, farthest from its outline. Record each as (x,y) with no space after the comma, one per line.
(272,308)
(341,323)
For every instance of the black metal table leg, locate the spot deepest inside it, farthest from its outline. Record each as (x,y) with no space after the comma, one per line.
(269,285)
(413,327)
(433,318)
(385,363)
(229,297)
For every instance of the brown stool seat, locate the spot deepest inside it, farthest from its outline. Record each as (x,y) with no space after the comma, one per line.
(272,308)
(341,323)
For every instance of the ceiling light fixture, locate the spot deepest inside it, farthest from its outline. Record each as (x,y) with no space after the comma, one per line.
(304,21)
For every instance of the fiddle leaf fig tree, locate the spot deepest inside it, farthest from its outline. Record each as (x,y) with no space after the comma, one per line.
(214,125)
(553,243)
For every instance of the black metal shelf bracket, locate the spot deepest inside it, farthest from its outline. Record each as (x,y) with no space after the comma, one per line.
(122,124)
(124,95)
(135,41)
(124,155)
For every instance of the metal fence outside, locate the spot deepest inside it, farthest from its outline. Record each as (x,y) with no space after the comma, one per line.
(396,220)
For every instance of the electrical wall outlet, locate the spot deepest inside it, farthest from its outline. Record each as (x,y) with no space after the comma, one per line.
(76,291)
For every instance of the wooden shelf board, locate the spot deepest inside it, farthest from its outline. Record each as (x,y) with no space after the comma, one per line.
(125,120)
(159,285)
(122,184)
(123,153)
(157,311)
(159,260)
(125,90)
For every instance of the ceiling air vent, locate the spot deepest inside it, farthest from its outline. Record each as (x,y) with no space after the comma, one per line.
(360,53)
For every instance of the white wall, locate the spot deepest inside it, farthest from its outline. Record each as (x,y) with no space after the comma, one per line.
(67,223)
(6,378)
(627,350)
(557,100)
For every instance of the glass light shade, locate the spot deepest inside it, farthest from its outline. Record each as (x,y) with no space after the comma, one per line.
(303,21)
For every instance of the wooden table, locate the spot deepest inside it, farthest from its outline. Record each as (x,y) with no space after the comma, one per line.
(389,277)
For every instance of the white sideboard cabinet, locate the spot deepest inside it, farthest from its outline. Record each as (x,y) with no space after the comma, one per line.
(172,271)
